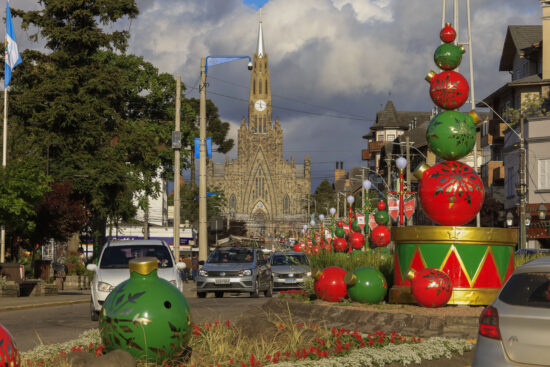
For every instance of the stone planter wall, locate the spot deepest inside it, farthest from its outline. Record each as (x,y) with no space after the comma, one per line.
(9,289)
(76,282)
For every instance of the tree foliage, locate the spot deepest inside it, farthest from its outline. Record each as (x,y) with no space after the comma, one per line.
(534,105)
(325,196)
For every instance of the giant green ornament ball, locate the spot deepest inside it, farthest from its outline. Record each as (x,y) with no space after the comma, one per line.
(451,135)
(366,285)
(340,232)
(448,56)
(381,217)
(146,315)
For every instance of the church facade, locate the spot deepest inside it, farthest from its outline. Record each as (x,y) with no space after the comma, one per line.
(263,189)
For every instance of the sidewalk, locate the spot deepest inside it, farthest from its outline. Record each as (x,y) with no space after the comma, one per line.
(62,298)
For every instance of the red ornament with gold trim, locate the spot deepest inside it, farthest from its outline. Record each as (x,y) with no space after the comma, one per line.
(9,355)
(330,285)
(448,33)
(340,244)
(448,89)
(381,236)
(340,224)
(356,240)
(431,287)
(381,205)
(451,192)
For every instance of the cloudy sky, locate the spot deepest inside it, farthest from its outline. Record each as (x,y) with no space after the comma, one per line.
(333,63)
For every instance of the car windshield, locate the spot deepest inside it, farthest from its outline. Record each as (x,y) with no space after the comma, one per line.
(284,259)
(117,257)
(231,255)
(527,289)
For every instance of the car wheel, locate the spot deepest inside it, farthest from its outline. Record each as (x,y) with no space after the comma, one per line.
(218,294)
(94,315)
(201,294)
(256,292)
(269,291)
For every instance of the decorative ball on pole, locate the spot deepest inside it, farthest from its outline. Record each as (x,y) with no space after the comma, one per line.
(401,163)
(321,217)
(312,223)
(367,185)
(350,199)
(332,211)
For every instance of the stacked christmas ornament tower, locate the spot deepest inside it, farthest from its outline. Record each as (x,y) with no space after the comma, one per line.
(477,260)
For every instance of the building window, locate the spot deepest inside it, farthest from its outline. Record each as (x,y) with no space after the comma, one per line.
(511,182)
(286,205)
(391,137)
(484,128)
(380,137)
(544,174)
(266,87)
(233,203)
(260,86)
(254,86)
(485,154)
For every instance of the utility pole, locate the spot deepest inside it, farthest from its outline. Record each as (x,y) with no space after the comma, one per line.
(362,188)
(522,185)
(176,144)
(203,235)
(308,205)
(388,162)
(146,222)
(338,204)
(408,172)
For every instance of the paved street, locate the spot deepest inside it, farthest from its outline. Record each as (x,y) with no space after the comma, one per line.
(61,323)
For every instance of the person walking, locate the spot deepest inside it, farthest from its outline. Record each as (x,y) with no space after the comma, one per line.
(195,267)
(187,270)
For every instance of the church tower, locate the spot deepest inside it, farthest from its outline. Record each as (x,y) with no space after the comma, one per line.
(262,189)
(259,106)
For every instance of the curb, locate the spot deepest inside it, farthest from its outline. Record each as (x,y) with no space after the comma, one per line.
(46,304)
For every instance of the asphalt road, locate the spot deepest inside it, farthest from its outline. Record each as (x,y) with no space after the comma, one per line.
(62,323)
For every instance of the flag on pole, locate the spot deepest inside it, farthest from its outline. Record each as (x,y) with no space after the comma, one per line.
(11,53)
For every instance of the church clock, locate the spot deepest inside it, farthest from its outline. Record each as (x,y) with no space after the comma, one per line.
(260,105)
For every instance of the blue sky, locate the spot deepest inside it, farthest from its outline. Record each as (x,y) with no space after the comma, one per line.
(255,4)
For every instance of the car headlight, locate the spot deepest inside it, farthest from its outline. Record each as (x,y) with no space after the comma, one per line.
(245,273)
(104,287)
(203,273)
(308,273)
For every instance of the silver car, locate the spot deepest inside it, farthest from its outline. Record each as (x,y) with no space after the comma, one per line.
(235,270)
(515,329)
(112,268)
(289,269)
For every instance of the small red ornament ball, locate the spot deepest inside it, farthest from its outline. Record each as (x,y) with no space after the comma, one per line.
(451,193)
(381,205)
(315,249)
(431,287)
(330,286)
(356,240)
(327,246)
(340,224)
(297,247)
(448,33)
(448,89)
(9,355)
(340,244)
(381,236)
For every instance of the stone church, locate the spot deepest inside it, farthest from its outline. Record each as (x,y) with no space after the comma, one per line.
(261,188)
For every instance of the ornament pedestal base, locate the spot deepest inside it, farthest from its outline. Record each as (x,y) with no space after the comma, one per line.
(478,260)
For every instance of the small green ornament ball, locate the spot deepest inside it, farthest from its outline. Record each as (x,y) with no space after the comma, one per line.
(366,285)
(355,226)
(451,135)
(448,56)
(340,232)
(381,217)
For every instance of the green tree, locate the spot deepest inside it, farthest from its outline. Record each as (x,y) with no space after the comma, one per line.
(189,196)
(324,196)
(534,105)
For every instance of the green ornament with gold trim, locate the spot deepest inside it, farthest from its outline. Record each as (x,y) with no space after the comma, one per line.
(339,232)
(448,56)
(146,316)
(381,217)
(366,285)
(355,227)
(451,135)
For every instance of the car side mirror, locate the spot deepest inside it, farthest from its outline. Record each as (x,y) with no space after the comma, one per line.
(91,267)
(180,265)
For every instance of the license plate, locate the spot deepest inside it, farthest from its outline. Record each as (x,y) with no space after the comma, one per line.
(290,280)
(222,281)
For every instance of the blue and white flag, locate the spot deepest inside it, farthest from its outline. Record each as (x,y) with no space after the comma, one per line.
(11,53)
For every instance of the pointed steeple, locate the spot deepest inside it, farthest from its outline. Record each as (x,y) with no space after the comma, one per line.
(260,49)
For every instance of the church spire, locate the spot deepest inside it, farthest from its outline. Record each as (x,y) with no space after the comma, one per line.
(260,49)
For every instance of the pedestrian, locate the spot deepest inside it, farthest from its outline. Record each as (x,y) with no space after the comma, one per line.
(195,267)
(188,265)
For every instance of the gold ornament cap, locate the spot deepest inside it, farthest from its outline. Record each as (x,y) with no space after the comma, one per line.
(419,171)
(411,274)
(430,76)
(473,114)
(350,278)
(462,49)
(143,265)
(317,275)
(448,23)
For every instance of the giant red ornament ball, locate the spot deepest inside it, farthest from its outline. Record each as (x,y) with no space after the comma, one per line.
(340,244)
(330,286)
(451,193)
(448,33)
(448,89)
(356,240)
(9,355)
(431,287)
(381,236)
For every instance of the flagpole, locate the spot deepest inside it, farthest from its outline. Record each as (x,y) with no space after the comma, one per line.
(4,155)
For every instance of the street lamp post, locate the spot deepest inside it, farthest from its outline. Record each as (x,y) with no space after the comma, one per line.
(210,60)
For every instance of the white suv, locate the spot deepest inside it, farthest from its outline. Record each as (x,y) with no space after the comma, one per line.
(112,268)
